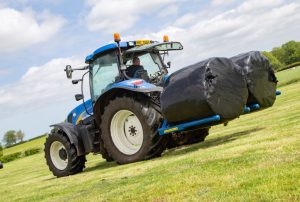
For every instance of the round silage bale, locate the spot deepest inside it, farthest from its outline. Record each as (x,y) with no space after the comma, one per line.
(261,80)
(213,86)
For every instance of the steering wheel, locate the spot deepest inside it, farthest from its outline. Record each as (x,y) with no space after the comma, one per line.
(156,77)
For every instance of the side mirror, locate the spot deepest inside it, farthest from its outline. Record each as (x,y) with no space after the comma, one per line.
(69,71)
(169,64)
(78,97)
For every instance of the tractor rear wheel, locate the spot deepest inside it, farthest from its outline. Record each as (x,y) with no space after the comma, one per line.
(105,155)
(61,155)
(129,130)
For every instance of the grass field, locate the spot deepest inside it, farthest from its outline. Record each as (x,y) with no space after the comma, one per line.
(254,158)
(37,143)
(288,76)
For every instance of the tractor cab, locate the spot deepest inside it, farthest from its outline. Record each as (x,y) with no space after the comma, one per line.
(110,64)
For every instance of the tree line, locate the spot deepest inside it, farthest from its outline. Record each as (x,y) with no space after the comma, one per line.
(11,137)
(287,55)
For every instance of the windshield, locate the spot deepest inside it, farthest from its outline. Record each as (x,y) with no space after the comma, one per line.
(150,62)
(104,73)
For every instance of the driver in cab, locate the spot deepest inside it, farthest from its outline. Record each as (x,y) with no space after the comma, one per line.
(136,67)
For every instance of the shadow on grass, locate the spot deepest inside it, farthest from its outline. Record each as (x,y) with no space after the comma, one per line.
(102,165)
(211,142)
(181,150)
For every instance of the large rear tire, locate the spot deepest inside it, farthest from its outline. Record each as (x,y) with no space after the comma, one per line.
(105,155)
(61,155)
(129,130)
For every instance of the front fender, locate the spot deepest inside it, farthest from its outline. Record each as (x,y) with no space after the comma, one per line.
(137,85)
(73,133)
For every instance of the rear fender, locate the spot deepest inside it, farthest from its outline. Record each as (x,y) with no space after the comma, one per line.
(73,133)
(134,87)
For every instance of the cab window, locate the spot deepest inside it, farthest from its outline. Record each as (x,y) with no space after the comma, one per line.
(150,62)
(104,73)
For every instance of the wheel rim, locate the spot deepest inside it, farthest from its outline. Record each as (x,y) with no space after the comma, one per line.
(59,155)
(126,132)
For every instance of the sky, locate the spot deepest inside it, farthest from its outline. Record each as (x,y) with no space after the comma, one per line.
(39,38)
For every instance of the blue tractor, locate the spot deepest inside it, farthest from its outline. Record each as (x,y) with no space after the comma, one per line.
(122,118)
(122,121)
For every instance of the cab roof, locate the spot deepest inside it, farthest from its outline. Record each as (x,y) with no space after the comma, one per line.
(135,47)
(103,49)
(113,46)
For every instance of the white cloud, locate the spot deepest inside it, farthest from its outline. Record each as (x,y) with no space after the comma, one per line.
(19,30)
(43,96)
(222,2)
(240,29)
(39,87)
(117,15)
(169,11)
(256,5)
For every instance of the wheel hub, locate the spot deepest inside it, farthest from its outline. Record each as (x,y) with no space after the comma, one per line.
(63,154)
(126,132)
(132,131)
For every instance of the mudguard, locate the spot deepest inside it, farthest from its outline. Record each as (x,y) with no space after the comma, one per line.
(73,133)
(137,85)
(127,87)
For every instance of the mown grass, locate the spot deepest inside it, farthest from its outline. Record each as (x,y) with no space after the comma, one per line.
(288,76)
(254,158)
(36,143)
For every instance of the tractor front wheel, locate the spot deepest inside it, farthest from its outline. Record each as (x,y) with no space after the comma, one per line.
(61,155)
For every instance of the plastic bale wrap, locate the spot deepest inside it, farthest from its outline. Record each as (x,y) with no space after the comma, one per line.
(261,80)
(214,86)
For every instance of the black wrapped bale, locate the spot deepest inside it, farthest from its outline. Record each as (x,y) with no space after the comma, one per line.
(261,80)
(214,86)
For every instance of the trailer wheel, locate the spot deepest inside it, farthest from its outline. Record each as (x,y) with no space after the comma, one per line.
(61,156)
(197,136)
(129,130)
(186,138)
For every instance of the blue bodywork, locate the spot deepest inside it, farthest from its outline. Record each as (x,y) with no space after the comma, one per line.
(132,83)
(103,49)
(168,128)
(79,113)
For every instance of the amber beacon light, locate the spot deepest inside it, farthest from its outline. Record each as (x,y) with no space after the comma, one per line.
(166,38)
(117,37)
